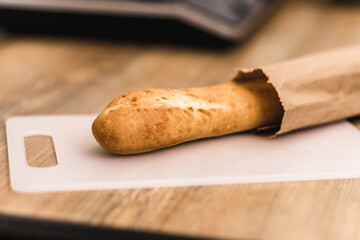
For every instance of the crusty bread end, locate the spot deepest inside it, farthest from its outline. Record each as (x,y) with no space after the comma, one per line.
(150,119)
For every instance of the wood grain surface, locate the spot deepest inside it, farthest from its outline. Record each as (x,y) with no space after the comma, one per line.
(40,151)
(61,75)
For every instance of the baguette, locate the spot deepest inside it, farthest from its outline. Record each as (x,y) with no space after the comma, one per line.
(149,119)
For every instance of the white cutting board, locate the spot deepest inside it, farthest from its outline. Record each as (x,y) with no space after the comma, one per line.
(326,152)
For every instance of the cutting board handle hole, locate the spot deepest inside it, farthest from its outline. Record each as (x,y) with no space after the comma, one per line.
(40,151)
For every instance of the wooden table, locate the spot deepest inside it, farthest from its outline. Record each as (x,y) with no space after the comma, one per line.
(47,75)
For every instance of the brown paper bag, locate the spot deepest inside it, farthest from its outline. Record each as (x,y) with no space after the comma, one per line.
(314,89)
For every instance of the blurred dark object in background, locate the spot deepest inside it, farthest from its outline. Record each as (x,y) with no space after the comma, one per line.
(179,20)
(347,1)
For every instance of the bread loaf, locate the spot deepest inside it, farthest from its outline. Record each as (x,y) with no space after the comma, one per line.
(149,119)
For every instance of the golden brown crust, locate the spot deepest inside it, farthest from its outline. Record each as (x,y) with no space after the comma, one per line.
(149,119)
